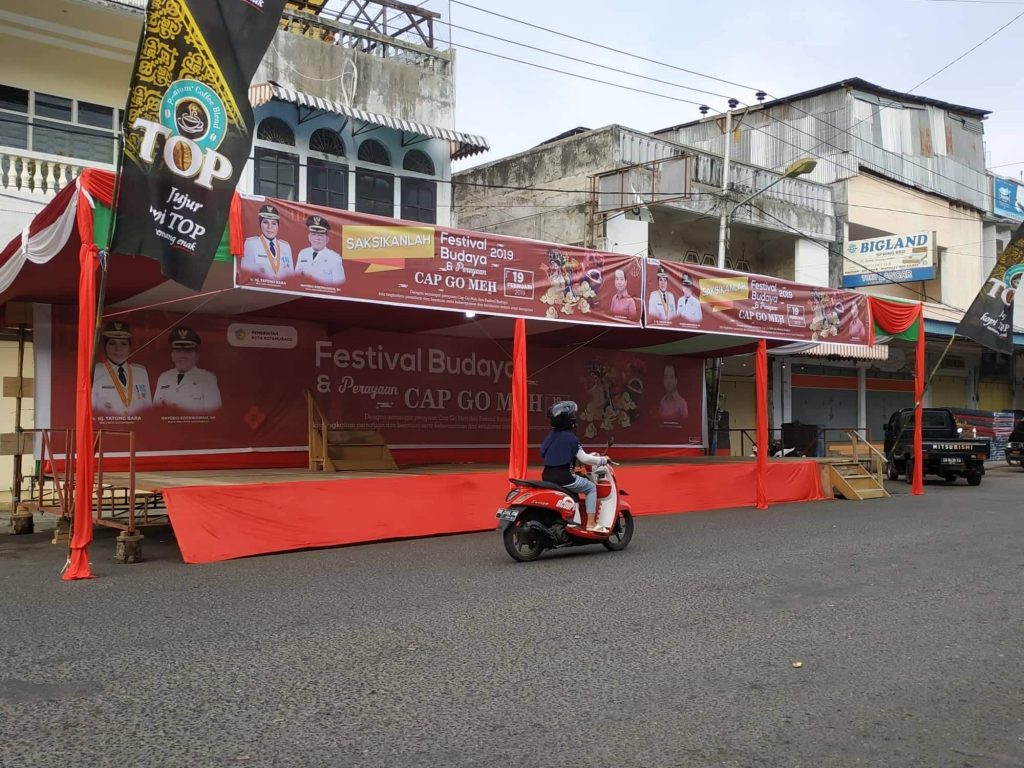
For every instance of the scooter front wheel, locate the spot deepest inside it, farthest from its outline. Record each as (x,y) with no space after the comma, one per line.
(623,533)
(521,543)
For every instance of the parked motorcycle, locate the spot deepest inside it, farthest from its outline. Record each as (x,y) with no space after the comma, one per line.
(538,515)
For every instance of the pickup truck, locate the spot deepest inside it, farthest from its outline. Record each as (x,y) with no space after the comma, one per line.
(1015,445)
(945,452)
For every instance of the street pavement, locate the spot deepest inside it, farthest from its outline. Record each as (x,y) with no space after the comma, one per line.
(904,616)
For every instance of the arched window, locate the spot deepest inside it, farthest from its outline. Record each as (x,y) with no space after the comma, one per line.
(276,173)
(328,142)
(327,180)
(418,162)
(371,151)
(275,130)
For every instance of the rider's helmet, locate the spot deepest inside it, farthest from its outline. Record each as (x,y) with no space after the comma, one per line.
(563,414)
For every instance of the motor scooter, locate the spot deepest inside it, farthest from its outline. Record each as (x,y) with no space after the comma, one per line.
(538,515)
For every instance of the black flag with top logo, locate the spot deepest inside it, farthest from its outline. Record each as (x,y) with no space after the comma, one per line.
(188,129)
(989,320)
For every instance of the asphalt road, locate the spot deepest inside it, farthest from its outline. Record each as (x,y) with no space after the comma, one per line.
(906,615)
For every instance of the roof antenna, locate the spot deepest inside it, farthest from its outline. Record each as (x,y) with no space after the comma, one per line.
(760,96)
(704,109)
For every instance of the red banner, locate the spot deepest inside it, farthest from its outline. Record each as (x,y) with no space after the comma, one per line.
(197,385)
(311,251)
(702,299)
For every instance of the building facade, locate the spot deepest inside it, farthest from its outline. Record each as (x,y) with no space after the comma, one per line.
(897,176)
(349,112)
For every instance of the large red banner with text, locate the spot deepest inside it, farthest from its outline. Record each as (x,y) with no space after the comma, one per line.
(689,297)
(312,251)
(196,385)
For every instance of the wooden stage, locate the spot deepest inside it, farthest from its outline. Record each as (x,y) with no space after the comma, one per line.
(222,514)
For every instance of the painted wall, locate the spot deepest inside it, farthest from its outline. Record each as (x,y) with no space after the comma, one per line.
(889,207)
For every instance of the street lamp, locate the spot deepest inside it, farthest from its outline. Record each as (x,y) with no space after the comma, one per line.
(796,168)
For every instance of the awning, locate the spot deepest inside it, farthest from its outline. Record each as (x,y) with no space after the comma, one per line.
(828,349)
(461,144)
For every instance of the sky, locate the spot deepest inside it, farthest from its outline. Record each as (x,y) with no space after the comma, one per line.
(780,46)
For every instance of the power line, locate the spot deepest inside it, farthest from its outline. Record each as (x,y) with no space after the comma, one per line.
(581,61)
(600,45)
(812,151)
(967,52)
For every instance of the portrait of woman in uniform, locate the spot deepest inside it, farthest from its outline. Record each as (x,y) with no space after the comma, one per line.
(119,388)
(186,386)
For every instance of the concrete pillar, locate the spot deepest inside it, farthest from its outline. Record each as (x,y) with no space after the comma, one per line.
(777,386)
(973,395)
(862,399)
(810,262)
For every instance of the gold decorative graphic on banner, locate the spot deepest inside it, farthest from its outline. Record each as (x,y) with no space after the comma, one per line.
(173,48)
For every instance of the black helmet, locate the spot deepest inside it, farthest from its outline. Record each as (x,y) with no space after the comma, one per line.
(563,414)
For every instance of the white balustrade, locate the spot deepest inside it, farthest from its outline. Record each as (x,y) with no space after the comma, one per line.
(33,175)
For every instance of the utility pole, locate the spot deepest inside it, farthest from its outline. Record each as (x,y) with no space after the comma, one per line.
(723,222)
(723,230)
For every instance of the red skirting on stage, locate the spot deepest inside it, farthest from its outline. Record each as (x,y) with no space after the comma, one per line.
(215,523)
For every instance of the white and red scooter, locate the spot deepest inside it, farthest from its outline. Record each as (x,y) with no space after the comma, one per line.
(538,515)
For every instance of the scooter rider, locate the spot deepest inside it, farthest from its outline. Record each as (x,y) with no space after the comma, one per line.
(560,449)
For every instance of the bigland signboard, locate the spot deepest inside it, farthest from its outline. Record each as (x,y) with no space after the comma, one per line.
(890,259)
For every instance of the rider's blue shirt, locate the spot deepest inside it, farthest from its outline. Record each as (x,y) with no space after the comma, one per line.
(559,451)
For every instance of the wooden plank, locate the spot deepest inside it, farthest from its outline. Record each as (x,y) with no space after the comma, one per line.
(9,444)
(11,387)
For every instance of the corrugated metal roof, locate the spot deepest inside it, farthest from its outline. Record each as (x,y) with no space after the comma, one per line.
(461,144)
(853,82)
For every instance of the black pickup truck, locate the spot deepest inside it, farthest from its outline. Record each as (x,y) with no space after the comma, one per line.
(945,452)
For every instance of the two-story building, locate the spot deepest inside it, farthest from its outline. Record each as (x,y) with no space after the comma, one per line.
(354,109)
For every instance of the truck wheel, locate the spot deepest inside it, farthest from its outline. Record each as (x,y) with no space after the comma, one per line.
(973,478)
(894,474)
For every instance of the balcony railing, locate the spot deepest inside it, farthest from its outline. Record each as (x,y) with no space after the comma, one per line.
(35,175)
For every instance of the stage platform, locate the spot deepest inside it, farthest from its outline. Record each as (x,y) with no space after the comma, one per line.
(223,514)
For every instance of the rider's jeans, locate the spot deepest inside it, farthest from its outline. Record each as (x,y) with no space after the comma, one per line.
(585,485)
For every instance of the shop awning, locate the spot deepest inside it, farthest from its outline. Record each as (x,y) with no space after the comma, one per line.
(846,351)
(461,144)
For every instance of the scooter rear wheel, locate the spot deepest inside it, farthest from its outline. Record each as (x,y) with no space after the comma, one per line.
(622,534)
(520,543)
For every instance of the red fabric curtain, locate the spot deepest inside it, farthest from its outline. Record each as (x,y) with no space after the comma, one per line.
(896,317)
(893,316)
(917,486)
(761,393)
(100,185)
(518,444)
(78,563)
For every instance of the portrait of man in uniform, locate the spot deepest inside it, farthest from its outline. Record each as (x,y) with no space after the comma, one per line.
(186,386)
(662,304)
(266,254)
(119,388)
(318,262)
(689,310)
